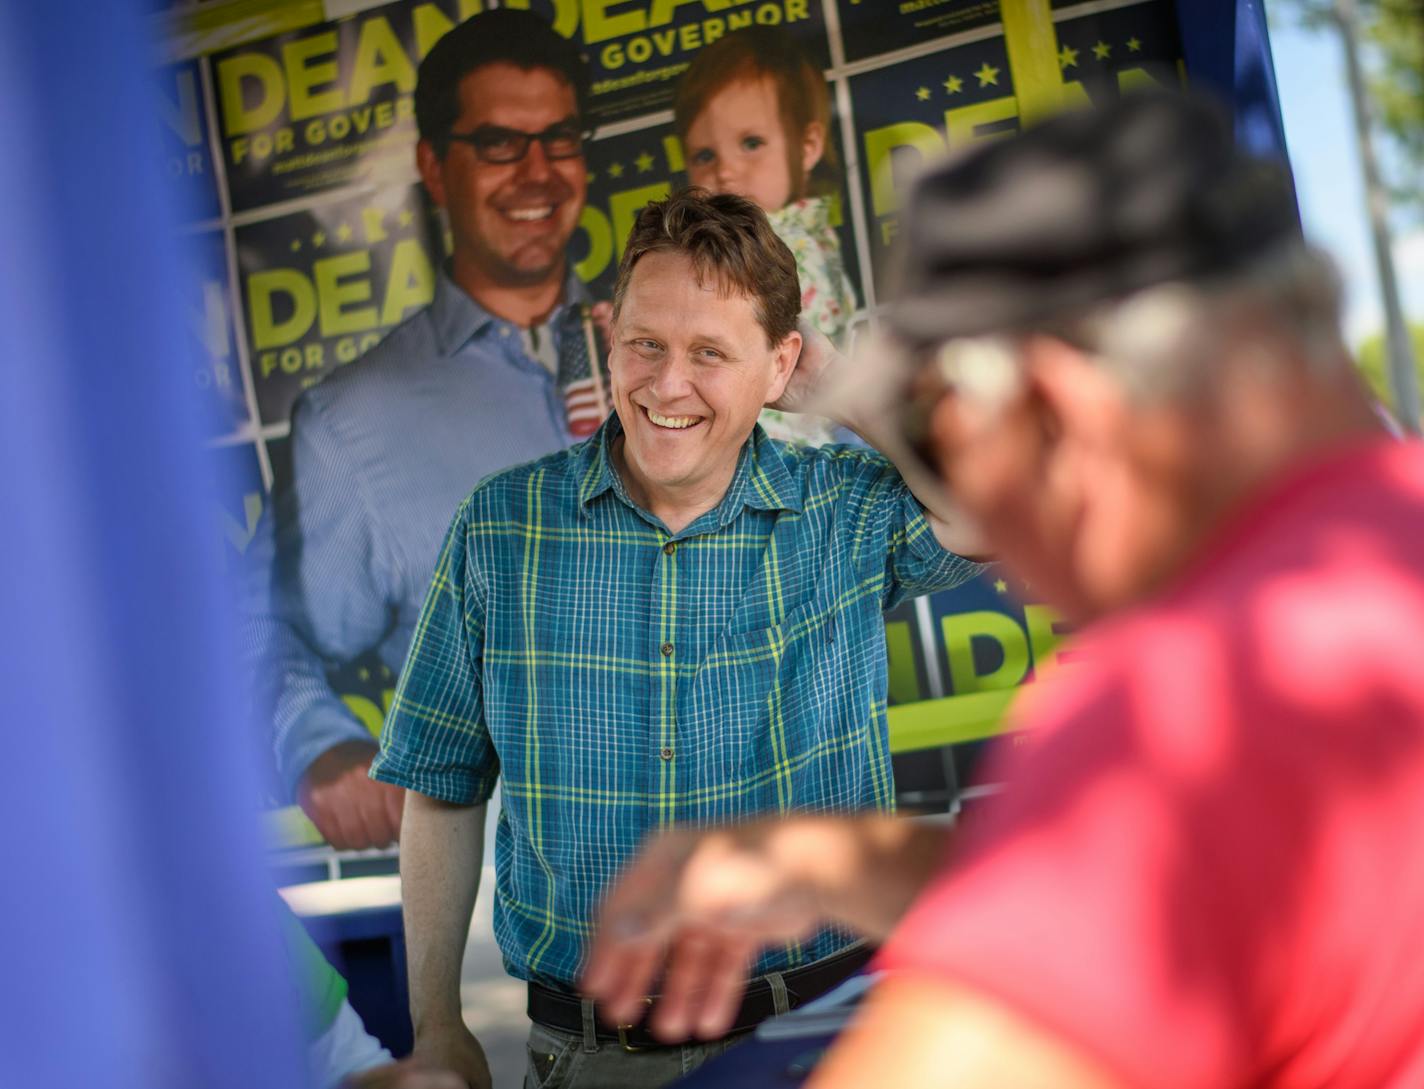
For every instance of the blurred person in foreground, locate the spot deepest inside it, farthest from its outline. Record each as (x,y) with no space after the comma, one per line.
(1205,869)
(493,372)
(676,621)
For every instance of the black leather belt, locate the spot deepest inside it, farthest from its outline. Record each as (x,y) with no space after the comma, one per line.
(563,1010)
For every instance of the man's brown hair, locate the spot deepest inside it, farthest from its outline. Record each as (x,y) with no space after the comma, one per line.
(730,243)
(801,94)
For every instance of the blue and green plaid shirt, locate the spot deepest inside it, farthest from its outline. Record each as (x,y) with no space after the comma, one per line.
(623,679)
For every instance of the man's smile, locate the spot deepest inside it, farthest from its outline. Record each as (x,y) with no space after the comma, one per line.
(671,423)
(531,214)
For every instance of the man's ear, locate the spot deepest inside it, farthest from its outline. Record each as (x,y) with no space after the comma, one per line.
(813,146)
(1077,396)
(784,365)
(427,162)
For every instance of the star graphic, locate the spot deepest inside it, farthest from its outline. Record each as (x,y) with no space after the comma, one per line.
(644,163)
(615,170)
(923,94)
(296,245)
(1001,586)
(1067,57)
(319,239)
(591,177)
(953,84)
(987,74)
(343,233)
(364,674)
(1102,50)
(1134,45)
(405,217)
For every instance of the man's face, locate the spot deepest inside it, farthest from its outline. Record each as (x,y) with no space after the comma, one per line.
(691,370)
(510,222)
(1088,497)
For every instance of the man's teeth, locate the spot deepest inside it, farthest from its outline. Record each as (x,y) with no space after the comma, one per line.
(678,422)
(528,215)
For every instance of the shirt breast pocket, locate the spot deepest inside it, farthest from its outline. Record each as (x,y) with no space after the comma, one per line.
(743,718)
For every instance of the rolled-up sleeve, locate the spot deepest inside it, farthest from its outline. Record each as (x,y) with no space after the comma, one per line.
(436,741)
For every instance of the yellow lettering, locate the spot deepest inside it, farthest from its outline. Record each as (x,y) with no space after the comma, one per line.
(599,25)
(1042,638)
(261,288)
(962,125)
(304,75)
(961,631)
(411,284)
(713,29)
(600,243)
(625,206)
(612,56)
(365,711)
(796,11)
(379,60)
(880,147)
(335,295)
(238,117)
(689,37)
(672,149)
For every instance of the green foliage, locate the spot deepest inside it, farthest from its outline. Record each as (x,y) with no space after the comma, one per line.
(1391,34)
(1375,367)
(1395,33)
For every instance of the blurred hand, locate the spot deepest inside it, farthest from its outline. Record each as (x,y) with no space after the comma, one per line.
(703,904)
(818,357)
(453,1048)
(350,809)
(407,1074)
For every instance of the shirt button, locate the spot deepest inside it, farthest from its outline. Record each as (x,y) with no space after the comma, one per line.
(666,754)
(666,648)
(669,549)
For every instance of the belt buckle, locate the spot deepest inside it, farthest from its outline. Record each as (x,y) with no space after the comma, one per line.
(631,1049)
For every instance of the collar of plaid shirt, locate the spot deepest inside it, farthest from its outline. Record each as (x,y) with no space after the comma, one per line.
(617,679)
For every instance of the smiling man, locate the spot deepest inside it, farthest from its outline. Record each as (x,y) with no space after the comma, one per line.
(494,372)
(677,621)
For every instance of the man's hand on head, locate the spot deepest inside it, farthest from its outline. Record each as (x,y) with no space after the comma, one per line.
(818,359)
(349,808)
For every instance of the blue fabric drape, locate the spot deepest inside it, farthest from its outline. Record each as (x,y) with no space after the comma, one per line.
(139,939)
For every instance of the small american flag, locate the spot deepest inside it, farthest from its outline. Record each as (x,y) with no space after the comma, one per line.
(581,373)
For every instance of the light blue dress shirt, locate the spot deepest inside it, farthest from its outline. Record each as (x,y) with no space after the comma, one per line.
(383,452)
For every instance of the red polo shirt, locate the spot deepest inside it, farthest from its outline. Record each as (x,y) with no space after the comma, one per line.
(1208,868)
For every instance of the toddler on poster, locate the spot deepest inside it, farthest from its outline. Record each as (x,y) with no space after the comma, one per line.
(753,115)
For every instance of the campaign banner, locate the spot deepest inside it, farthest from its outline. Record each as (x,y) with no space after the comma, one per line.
(637,49)
(236,500)
(327,106)
(869,29)
(625,172)
(209,341)
(322,286)
(911,113)
(187,158)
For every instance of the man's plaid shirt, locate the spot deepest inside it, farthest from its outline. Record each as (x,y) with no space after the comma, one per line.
(623,679)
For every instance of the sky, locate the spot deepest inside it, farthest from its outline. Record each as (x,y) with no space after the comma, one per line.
(1310,75)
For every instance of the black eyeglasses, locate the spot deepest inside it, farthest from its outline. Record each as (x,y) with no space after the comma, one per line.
(496,144)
